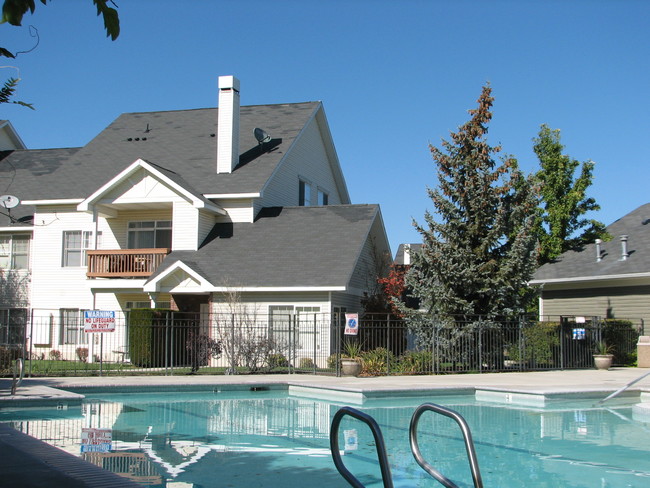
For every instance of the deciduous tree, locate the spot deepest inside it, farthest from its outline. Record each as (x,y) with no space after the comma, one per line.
(562,224)
(13,12)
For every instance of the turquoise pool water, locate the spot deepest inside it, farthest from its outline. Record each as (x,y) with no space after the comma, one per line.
(269,438)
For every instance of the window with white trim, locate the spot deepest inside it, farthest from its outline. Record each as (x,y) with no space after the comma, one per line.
(75,245)
(14,251)
(72,327)
(148,234)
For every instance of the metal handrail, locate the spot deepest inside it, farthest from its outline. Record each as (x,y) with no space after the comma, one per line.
(19,371)
(467,436)
(379,444)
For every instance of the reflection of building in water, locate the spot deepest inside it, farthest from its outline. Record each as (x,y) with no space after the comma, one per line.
(159,440)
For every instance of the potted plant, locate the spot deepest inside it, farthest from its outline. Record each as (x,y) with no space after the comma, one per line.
(351,362)
(603,356)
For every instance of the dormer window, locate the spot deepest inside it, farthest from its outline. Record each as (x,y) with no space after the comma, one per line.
(304,194)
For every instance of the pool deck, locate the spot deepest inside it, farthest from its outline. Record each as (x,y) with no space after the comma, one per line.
(28,462)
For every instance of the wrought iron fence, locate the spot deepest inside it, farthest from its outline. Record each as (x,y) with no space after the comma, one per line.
(56,343)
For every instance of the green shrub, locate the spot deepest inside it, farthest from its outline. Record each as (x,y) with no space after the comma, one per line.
(306,363)
(416,362)
(540,340)
(8,355)
(622,337)
(331,361)
(277,361)
(377,361)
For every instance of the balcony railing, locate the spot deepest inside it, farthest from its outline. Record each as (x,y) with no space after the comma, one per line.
(124,263)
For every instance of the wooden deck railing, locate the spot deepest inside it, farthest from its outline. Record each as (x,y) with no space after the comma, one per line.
(124,263)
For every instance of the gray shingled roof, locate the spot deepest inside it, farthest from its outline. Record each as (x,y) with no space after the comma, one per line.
(583,263)
(399,255)
(181,141)
(285,247)
(22,170)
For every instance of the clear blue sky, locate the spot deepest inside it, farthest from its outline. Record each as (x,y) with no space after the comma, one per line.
(394,76)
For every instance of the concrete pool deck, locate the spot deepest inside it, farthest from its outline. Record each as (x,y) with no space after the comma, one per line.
(28,462)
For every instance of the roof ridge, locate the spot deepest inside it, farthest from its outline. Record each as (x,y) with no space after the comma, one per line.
(216,108)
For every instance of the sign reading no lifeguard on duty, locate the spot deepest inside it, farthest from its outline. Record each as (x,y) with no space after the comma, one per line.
(99,321)
(351,324)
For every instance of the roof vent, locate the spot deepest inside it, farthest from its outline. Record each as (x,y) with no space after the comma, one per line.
(599,255)
(624,253)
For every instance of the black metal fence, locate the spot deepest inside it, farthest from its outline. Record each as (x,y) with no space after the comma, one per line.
(58,343)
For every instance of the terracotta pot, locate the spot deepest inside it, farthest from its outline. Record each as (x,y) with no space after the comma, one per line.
(603,361)
(350,367)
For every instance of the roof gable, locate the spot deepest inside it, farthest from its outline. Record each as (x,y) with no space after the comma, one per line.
(144,182)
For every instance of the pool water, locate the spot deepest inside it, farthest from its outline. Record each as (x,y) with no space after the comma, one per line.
(270,438)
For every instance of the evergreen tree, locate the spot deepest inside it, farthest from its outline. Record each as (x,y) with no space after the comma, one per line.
(564,202)
(479,247)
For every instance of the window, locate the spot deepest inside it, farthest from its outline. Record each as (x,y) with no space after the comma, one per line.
(281,330)
(75,245)
(13,322)
(323,198)
(72,328)
(304,194)
(150,234)
(147,304)
(14,251)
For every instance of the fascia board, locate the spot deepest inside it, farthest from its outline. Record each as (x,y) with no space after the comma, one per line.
(15,230)
(330,149)
(587,279)
(233,196)
(225,289)
(62,201)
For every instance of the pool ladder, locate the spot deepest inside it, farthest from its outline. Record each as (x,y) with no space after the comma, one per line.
(413,438)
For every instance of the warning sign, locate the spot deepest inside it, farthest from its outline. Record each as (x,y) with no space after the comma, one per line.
(351,324)
(96,440)
(99,321)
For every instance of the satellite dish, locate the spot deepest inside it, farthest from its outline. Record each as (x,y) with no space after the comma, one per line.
(9,201)
(261,135)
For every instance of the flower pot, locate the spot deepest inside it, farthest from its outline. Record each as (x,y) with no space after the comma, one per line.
(603,361)
(350,367)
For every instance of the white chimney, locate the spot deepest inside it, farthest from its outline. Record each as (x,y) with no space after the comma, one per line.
(228,124)
(599,256)
(407,254)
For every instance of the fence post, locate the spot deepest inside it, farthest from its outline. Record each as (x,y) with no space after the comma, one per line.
(315,344)
(388,344)
(480,345)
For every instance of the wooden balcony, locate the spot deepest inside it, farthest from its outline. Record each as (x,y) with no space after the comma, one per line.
(124,263)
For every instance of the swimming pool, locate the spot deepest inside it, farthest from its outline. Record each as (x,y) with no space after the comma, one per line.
(271,438)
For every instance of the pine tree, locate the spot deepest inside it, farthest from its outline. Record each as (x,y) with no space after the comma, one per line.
(564,202)
(479,247)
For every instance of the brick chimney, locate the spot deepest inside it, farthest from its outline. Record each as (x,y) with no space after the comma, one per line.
(228,124)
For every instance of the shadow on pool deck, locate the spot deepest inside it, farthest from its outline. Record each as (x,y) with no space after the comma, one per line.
(28,462)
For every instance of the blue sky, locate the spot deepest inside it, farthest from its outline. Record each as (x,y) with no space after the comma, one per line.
(394,76)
